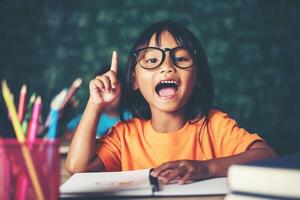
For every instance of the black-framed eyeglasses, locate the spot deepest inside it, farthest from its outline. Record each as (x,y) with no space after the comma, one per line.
(152,57)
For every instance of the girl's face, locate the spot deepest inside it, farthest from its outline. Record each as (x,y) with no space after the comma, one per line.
(166,88)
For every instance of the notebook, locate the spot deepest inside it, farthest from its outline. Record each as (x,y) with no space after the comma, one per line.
(136,183)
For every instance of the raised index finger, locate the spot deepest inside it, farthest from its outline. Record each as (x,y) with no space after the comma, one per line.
(114,62)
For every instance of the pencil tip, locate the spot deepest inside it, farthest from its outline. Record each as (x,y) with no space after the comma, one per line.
(32,97)
(77,82)
(4,85)
(39,99)
(24,88)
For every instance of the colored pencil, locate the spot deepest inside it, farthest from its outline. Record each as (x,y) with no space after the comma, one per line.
(55,105)
(28,114)
(21,138)
(12,112)
(21,189)
(34,122)
(22,102)
(71,92)
(59,98)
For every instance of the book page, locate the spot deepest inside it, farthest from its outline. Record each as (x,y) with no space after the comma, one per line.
(215,186)
(126,183)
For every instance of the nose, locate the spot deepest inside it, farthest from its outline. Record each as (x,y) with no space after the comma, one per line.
(167,65)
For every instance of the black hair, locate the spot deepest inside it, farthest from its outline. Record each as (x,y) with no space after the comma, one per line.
(200,102)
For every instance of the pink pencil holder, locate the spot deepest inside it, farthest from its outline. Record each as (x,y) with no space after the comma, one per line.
(15,180)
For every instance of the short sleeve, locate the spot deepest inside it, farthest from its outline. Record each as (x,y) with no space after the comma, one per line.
(228,138)
(109,150)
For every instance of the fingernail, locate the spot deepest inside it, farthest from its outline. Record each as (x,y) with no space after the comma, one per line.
(153,173)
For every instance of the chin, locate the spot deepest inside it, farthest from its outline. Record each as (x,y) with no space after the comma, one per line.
(169,107)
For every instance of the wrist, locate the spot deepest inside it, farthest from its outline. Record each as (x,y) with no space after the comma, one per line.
(92,106)
(214,168)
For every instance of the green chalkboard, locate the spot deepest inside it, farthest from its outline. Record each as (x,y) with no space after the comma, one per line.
(253,47)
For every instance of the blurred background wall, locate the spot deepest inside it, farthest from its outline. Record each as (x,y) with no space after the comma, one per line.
(253,47)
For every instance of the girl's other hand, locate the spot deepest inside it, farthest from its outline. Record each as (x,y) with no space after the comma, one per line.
(182,171)
(105,88)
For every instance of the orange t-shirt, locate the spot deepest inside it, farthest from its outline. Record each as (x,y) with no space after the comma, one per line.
(136,145)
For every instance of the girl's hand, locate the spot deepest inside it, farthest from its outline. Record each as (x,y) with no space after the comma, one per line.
(105,88)
(182,171)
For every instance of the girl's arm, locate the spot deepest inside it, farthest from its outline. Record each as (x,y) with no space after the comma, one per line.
(257,151)
(81,156)
(104,90)
(187,170)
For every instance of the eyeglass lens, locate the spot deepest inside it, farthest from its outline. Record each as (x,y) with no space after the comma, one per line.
(151,58)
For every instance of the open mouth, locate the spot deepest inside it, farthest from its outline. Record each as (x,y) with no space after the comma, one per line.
(166,88)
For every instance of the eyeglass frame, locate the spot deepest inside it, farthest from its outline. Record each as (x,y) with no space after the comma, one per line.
(164,50)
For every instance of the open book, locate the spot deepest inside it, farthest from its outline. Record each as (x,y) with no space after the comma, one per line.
(136,183)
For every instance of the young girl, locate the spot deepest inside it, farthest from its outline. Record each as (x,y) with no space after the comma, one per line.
(169,91)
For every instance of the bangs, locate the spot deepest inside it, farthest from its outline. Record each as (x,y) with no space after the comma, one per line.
(180,36)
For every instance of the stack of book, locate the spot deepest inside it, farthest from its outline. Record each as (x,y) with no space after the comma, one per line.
(277,178)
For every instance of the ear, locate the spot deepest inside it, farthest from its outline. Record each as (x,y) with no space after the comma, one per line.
(135,84)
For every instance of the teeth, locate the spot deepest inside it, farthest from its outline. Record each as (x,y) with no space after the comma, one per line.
(166,84)
(174,82)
